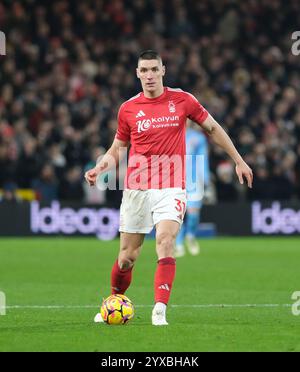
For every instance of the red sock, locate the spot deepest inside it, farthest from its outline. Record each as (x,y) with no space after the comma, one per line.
(164,277)
(120,279)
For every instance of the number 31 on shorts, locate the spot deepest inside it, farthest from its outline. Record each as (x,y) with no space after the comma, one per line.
(180,206)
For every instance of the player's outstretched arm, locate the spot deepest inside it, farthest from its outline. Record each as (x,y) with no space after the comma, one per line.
(109,160)
(221,138)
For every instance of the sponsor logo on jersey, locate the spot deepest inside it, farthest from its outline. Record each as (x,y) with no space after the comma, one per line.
(143,125)
(160,122)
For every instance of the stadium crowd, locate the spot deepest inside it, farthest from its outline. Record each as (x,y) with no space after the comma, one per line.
(70,64)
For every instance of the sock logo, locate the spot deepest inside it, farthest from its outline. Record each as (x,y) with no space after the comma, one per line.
(164,286)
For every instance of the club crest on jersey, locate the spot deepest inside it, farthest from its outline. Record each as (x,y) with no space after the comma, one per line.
(143,125)
(172,107)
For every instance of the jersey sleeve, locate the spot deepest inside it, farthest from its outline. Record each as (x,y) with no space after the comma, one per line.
(195,111)
(123,131)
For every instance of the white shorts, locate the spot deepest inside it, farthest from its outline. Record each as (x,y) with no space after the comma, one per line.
(143,209)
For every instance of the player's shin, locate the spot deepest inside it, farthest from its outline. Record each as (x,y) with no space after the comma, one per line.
(164,278)
(120,278)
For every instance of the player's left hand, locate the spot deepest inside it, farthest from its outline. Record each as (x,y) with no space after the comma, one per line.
(243,170)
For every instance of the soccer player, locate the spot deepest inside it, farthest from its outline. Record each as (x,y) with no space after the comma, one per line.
(196,145)
(153,124)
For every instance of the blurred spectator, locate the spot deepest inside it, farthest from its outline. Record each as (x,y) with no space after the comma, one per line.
(8,163)
(46,185)
(71,187)
(29,163)
(262,186)
(9,193)
(281,186)
(225,187)
(57,159)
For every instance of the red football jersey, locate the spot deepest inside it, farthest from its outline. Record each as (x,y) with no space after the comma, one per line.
(155,127)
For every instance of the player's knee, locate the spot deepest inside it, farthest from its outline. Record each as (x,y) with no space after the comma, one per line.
(165,240)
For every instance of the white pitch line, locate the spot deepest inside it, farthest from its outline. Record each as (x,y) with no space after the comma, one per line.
(185,305)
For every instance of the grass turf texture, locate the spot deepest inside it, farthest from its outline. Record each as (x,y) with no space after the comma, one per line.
(70,272)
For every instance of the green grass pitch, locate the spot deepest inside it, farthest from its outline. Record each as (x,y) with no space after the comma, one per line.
(58,284)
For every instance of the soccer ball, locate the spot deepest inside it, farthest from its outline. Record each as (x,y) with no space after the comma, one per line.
(117,309)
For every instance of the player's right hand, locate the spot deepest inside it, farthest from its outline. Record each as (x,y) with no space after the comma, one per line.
(91,176)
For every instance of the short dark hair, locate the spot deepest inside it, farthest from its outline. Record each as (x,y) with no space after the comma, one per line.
(149,54)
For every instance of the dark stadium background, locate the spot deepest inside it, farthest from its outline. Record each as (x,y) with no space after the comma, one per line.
(69,65)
